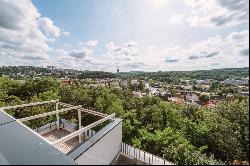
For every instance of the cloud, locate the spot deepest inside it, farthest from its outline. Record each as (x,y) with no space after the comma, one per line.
(134,65)
(171,60)
(25,39)
(210,54)
(193,57)
(77,54)
(215,64)
(244,52)
(205,49)
(66,33)
(90,43)
(127,51)
(177,19)
(130,56)
(110,45)
(214,13)
(17,16)
(24,33)
(80,54)
(230,50)
(32,57)
(240,42)
(48,28)
(130,44)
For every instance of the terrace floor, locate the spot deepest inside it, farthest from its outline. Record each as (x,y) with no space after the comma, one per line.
(63,147)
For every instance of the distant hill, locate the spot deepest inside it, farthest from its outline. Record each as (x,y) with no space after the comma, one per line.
(169,76)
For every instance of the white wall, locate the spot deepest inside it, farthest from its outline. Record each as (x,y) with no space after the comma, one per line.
(47,130)
(105,150)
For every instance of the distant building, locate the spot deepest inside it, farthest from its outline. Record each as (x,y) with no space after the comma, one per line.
(192,97)
(236,82)
(178,95)
(134,82)
(230,97)
(66,82)
(216,99)
(244,93)
(51,67)
(136,72)
(177,100)
(118,70)
(203,82)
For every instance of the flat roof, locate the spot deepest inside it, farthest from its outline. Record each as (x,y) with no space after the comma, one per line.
(20,146)
(4,118)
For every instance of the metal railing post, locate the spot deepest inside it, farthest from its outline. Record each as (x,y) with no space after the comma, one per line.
(139,154)
(80,124)
(143,156)
(149,159)
(57,117)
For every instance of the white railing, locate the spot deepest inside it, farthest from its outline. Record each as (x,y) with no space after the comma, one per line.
(66,125)
(78,132)
(143,156)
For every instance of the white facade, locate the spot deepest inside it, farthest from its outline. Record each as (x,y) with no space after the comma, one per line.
(104,150)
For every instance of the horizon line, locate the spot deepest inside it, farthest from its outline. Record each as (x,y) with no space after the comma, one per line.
(126,71)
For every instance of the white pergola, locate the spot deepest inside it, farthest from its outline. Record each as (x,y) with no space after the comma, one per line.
(67,107)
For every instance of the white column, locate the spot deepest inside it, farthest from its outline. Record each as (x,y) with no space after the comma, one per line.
(80,124)
(57,118)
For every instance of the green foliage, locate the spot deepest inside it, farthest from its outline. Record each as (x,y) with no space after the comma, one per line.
(174,77)
(204,98)
(180,134)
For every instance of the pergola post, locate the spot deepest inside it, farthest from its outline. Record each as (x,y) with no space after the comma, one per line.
(80,124)
(57,117)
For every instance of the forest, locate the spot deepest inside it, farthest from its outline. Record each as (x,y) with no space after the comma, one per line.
(173,77)
(176,76)
(183,134)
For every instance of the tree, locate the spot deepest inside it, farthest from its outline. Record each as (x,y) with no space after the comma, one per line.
(204,98)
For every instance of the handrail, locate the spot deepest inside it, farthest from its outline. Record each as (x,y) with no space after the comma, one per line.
(28,105)
(143,156)
(76,133)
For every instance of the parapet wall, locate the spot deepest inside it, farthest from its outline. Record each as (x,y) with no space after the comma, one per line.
(102,148)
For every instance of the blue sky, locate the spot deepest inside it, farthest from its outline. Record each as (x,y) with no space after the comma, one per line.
(148,35)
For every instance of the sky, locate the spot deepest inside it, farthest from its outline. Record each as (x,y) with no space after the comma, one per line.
(132,35)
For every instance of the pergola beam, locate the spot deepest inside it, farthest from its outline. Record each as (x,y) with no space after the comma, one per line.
(94,112)
(48,113)
(69,107)
(77,133)
(85,110)
(29,105)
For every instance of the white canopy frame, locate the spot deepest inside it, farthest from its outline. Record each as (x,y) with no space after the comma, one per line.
(69,107)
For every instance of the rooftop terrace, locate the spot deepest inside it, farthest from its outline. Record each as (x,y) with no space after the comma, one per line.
(65,142)
(61,134)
